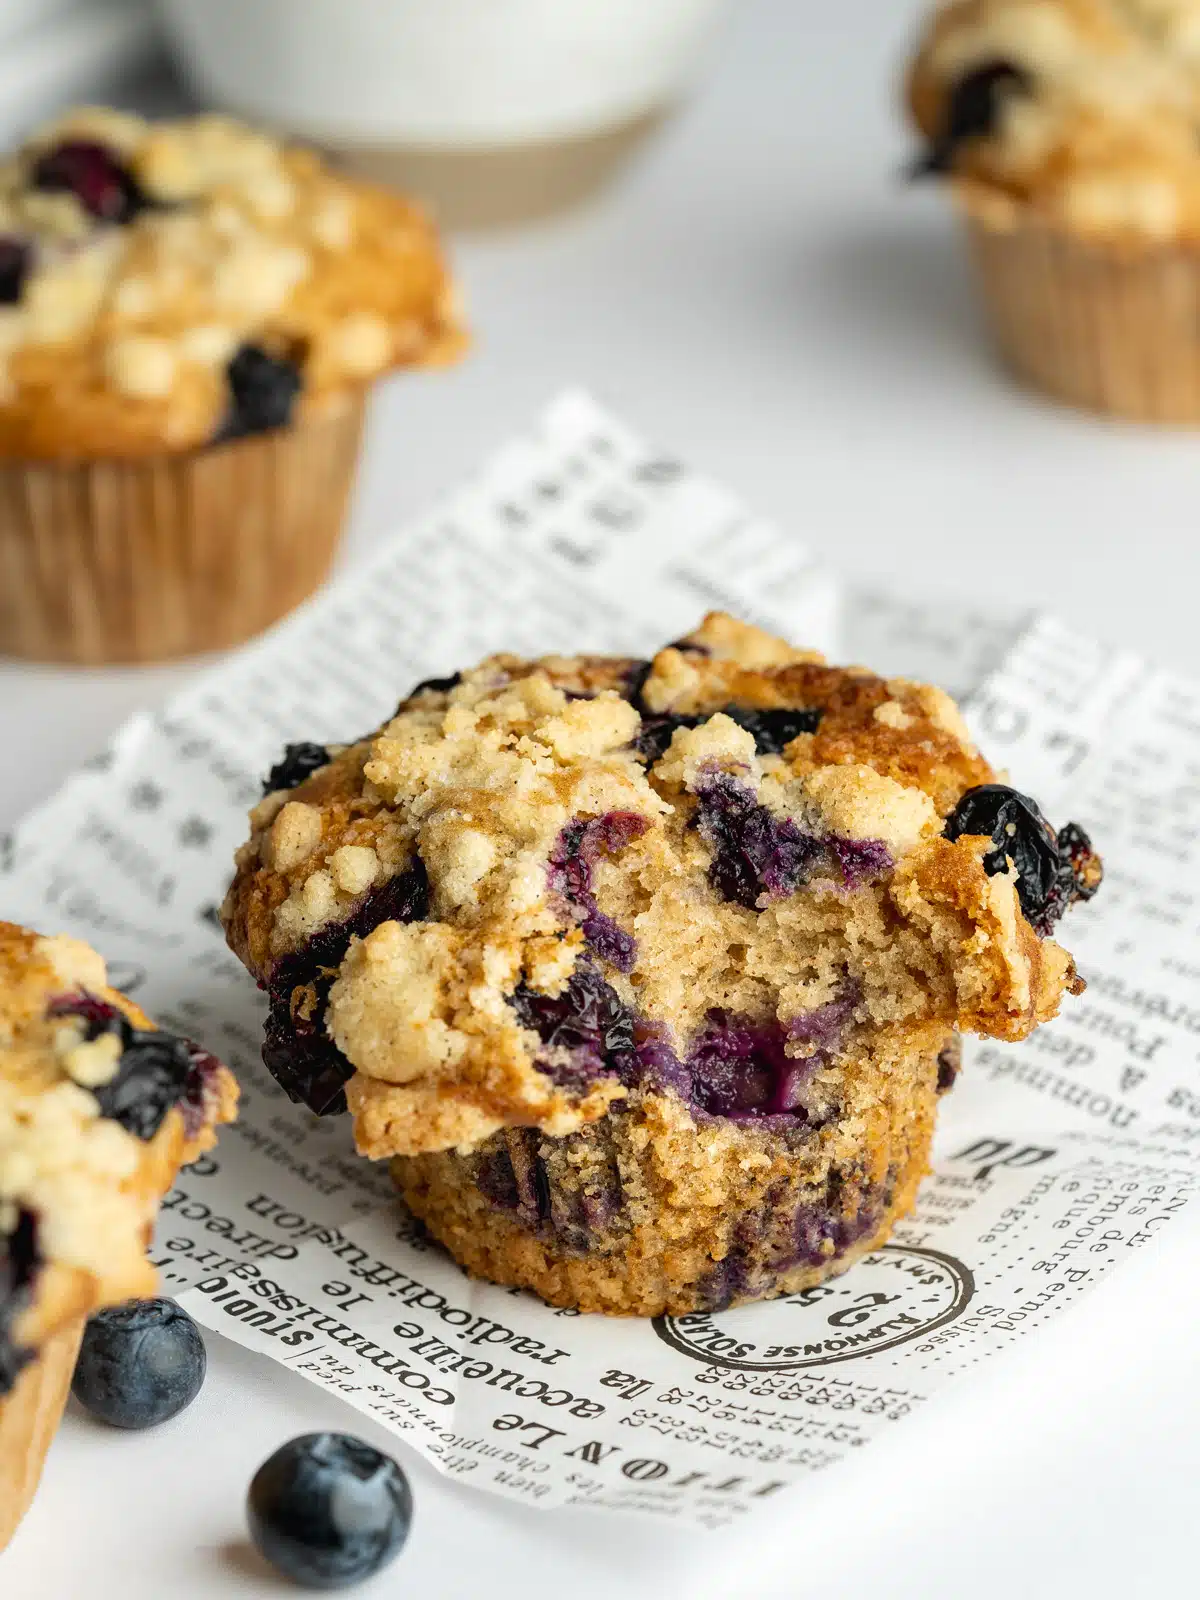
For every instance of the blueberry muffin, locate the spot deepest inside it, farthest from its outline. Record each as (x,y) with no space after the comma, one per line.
(191,315)
(98,1110)
(1070,131)
(648,974)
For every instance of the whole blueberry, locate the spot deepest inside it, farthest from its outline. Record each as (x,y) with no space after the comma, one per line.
(140,1364)
(327,1510)
(262,392)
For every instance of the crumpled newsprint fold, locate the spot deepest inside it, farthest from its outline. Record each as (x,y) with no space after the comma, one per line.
(1055,1159)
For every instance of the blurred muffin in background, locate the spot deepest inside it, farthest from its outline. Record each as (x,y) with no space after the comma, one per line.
(191,316)
(1069,131)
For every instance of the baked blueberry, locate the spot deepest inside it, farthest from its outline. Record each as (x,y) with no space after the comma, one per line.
(15,260)
(328,1510)
(773,729)
(19,1261)
(299,762)
(586,1025)
(102,184)
(1054,870)
(652,1019)
(754,852)
(262,392)
(580,845)
(152,1074)
(297,1050)
(140,1364)
(972,111)
(437,685)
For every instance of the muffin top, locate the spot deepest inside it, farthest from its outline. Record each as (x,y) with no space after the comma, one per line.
(1088,110)
(543,883)
(168,285)
(97,1111)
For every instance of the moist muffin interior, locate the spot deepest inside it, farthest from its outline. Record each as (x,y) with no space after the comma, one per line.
(733,876)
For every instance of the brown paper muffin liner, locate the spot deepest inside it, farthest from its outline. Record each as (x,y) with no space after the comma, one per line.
(29,1418)
(650,1211)
(144,560)
(1109,327)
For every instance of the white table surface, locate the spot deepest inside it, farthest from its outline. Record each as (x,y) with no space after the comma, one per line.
(763,295)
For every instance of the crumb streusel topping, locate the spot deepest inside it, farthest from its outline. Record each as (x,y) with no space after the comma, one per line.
(1087,109)
(97,1111)
(166,285)
(719,874)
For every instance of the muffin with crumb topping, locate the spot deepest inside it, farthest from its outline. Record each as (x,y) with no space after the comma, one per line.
(98,1110)
(1070,133)
(647,975)
(191,317)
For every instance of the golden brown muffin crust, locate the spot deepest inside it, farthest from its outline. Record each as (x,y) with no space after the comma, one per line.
(118,339)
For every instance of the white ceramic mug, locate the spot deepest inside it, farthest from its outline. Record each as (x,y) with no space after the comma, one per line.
(447,78)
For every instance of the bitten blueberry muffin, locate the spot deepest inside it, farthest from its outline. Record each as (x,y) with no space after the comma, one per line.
(167,288)
(1071,131)
(650,971)
(98,1110)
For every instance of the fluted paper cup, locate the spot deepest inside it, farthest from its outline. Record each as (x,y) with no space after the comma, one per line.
(29,1418)
(144,560)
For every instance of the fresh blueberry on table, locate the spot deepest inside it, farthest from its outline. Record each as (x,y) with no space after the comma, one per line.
(140,1364)
(327,1510)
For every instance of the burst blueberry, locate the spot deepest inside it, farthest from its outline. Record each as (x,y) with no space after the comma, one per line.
(140,1364)
(328,1510)
(98,179)
(587,1025)
(580,845)
(19,1263)
(755,853)
(436,685)
(299,762)
(16,259)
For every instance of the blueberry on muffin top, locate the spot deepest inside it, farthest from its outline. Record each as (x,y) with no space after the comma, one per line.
(97,1111)
(555,881)
(1087,110)
(169,285)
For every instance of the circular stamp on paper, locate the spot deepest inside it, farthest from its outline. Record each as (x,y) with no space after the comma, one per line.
(895,1295)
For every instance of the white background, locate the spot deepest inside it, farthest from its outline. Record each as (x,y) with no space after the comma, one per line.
(763,295)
